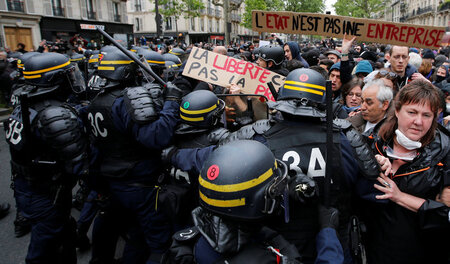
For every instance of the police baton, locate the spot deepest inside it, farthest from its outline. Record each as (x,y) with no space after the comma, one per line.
(329,142)
(130,55)
(272,90)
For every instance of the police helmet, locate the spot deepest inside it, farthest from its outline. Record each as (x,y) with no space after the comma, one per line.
(105,49)
(201,109)
(116,66)
(22,59)
(52,69)
(78,59)
(93,61)
(171,57)
(177,52)
(171,70)
(243,181)
(303,93)
(153,58)
(272,53)
(255,53)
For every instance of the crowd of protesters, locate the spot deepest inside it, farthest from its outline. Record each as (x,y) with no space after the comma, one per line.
(395,99)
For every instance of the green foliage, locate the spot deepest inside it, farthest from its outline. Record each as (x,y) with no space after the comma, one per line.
(272,5)
(249,6)
(359,8)
(190,8)
(311,6)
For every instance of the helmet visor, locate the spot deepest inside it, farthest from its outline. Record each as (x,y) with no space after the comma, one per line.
(76,80)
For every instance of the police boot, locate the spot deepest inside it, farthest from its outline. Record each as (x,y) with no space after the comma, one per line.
(22,225)
(82,241)
(4,209)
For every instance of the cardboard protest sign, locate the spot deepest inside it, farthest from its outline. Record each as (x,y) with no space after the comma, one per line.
(263,43)
(336,26)
(223,70)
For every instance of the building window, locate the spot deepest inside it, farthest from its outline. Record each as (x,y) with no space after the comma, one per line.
(90,9)
(15,5)
(202,24)
(210,29)
(168,23)
(57,8)
(137,24)
(137,5)
(217,26)
(192,23)
(116,14)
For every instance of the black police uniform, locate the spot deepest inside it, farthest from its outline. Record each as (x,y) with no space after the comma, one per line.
(46,157)
(236,193)
(299,139)
(129,133)
(201,126)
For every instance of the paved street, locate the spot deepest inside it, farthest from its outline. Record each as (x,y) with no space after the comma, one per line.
(13,250)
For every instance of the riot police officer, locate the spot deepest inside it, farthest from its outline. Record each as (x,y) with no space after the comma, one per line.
(299,139)
(200,126)
(129,130)
(240,184)
(47,149)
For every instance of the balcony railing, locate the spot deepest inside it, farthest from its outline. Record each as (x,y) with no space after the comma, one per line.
(424,10)
(58,11)
(218,13)
(116,18)
(91,15)
(236,2)
(210,11)
(235,17)
(404,18)
(15,5)
(202,12)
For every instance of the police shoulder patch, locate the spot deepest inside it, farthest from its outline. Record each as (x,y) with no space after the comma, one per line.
(186,234)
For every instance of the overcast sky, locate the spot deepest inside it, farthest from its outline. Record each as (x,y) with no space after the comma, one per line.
(329,6)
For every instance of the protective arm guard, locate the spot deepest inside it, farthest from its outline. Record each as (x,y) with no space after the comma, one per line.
(367,163)
(217,135)
(248,131)
(61,130)
(139,104)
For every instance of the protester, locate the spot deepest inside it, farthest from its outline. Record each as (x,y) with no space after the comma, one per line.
(376,98)
(413,153)
(351,94)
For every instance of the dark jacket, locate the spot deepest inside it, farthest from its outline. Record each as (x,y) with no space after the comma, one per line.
(398,235)
(295,51)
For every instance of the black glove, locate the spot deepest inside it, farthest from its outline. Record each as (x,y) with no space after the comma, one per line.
(328,217)
(167,154)
(302,187)
(172,93)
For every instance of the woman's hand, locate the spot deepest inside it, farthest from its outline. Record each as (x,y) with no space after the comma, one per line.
(389,188)
(385,164)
